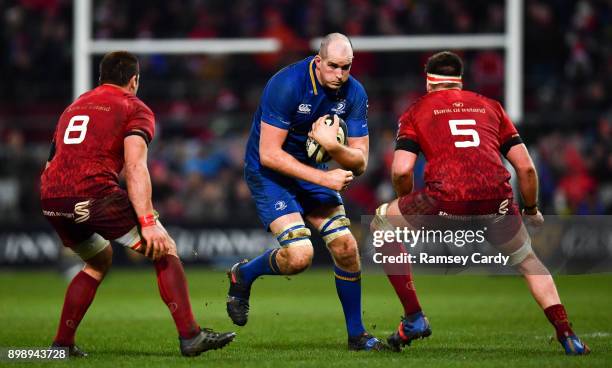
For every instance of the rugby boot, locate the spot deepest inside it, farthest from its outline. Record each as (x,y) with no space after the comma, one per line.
(573,345)
(238,296)
(73,350)
(415,326)
(207,339)
(365,342)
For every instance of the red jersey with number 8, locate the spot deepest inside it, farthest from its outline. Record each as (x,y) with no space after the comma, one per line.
(88,143)
(461,135)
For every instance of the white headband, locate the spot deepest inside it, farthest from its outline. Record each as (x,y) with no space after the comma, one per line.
(437,79)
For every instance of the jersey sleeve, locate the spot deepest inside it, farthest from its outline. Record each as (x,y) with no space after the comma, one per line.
(357,119)
(407,138)
(140,121)
(278,101)
(508,135)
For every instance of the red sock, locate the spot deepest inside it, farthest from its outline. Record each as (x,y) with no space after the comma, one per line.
(400,276)
(557,316)
(79,295)
(173,290)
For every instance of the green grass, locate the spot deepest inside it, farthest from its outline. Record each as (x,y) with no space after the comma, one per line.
(477,321)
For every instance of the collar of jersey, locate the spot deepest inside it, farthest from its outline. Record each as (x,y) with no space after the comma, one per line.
(313,77)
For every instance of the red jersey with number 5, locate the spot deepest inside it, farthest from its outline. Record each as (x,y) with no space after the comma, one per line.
(88,143)
(461,135)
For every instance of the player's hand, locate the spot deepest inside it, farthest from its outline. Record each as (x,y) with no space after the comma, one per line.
(325,134)
(535,220)
(337,179)
(157,241)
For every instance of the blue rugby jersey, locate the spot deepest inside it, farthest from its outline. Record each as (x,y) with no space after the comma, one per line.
(293,99)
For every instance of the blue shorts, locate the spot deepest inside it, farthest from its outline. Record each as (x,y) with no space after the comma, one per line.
(276,195)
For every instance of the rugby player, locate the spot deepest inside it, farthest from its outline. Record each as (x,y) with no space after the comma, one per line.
(462,135)
(102,132)
(289,188)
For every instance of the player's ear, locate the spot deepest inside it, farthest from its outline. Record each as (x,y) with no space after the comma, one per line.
(133,83)
(317,59)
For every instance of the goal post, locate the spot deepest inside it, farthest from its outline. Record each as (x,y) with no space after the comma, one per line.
(85,47)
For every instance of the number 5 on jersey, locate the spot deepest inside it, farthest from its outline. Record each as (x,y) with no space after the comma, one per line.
(454,128)
(78,124)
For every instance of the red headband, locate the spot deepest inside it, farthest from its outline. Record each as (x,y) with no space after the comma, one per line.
(436,78)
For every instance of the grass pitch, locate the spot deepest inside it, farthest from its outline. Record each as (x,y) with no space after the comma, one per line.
(477,321)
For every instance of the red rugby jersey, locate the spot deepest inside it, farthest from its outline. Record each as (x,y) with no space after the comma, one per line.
(461,134)
(89,143)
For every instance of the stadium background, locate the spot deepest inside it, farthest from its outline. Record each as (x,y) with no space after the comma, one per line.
(204,103)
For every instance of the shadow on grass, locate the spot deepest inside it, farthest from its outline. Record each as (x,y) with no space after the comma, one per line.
(292,346)
(484,351)
(134,353)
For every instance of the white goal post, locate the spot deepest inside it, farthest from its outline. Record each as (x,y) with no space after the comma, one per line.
(511,42)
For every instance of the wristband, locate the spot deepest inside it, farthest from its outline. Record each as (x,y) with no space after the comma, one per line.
(147,220)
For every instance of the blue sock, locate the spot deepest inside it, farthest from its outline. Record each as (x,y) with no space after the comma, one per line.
(348,286)
(264,264)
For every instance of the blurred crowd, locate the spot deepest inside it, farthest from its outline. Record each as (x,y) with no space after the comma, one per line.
(204,104)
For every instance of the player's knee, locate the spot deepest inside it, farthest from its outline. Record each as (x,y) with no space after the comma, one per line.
(297,258)
(297,252)
(107,260)
(339,240)
(345,252)
(99,265)
(531,265)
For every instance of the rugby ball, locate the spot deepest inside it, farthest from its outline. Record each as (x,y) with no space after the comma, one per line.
(315,151)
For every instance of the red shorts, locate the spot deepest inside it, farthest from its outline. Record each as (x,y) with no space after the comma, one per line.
(501,217)
(77,219)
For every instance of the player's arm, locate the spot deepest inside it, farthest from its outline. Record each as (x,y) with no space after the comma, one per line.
(273,156)
(512,147)
(527,176)
(353,157)
(139,192)
(137,175)
(407,150)
(402,171)
(51,153)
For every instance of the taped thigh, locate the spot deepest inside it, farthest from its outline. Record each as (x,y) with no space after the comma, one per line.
(522,253)
(380,221)
(335,226)
(91,246)
(131,239)
(295,233)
